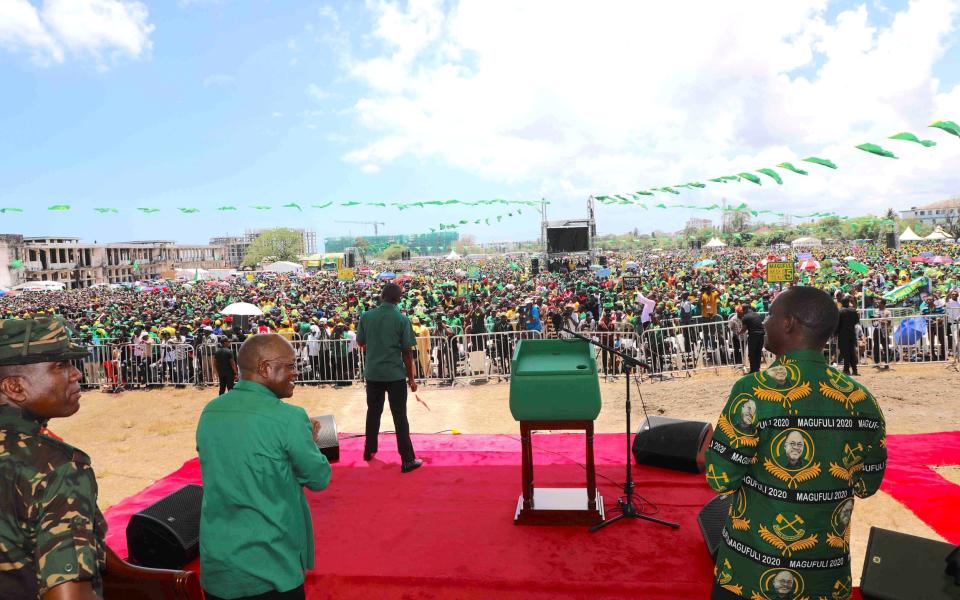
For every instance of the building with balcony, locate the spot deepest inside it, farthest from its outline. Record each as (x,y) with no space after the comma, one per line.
(944,211)
(79,264)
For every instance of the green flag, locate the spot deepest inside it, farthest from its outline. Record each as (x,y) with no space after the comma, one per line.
(875,149)
(859,267)
(189,211)
(149,210)
(751,177)
(669,189)
(293,205)
(106,210)
(909,137)
(351,203)
(948,126)
(196,274)
(260,207)
(11,210)
(823,162)
(383,204)
(643,193)
(227,208)
(136,265)
(790,167)
(59,207)
(324,205)
(16,263)
(771,174)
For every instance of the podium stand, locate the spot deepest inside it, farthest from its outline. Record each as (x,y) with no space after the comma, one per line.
(554,386)
(557,506)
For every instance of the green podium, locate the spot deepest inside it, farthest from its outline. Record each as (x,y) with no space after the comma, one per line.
(554,386)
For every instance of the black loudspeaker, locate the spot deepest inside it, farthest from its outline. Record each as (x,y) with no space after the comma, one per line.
(905,567)
(891,240)
(535,265)
(350,260)
(327,440)
(166,534)
(672,443)
(711,519)
(405,255)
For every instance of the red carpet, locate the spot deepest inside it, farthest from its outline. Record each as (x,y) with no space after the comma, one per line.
(446,530)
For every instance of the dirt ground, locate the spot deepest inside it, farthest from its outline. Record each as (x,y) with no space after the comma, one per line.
(137,437)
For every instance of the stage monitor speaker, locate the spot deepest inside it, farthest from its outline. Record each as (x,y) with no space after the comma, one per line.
(695,244)
(891,240)
(166,534)
(327,440)
(535,265)
(899,566)
(672,443)
(711,519)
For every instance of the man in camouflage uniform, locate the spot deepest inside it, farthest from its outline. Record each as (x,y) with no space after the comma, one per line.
(816,440)
(51,532)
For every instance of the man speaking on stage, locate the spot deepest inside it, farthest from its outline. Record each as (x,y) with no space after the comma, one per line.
(816,441)
(387,337)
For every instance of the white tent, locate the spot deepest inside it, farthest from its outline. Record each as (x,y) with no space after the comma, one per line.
(909,236)
(453,256)
(806,241)
(938,234)
(191,274)
(283,266)
(714,243)
(40,286)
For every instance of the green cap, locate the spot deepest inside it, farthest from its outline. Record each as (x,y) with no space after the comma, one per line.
(28,341)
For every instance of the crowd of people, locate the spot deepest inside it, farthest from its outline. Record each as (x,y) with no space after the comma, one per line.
(171,332)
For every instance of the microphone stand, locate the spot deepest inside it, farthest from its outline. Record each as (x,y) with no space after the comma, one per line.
(628,510)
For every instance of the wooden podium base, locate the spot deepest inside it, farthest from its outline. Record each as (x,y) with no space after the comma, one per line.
(559,506)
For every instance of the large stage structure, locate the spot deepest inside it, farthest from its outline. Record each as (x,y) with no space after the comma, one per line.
(568,241)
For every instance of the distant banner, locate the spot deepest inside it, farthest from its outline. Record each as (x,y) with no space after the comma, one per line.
(781,272)
(345,274)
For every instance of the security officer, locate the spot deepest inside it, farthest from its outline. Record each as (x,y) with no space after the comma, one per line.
(51,531)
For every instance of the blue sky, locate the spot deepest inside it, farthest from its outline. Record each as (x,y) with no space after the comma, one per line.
(210,103)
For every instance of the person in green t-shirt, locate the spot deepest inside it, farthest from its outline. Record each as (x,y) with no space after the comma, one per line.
(387,338)
(794,445)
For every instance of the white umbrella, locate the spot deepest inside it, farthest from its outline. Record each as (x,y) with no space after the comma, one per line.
(242,309)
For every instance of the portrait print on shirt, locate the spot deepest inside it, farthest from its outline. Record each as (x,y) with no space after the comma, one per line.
(739,423)
(791,458)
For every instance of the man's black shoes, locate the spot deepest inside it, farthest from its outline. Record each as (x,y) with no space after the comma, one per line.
(411,465)
(367,455)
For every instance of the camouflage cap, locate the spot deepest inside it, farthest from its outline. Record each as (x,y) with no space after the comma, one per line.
(28,341)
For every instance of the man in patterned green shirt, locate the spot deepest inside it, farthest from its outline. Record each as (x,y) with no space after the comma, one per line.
(51,531)
(794,445)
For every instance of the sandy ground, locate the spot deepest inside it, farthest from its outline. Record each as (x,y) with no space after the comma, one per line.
(137,437)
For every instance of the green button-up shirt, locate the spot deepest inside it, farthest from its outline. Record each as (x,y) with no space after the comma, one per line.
(794,444)
(386,334)
(256,454)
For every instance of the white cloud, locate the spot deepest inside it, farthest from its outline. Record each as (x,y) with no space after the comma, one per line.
(626,95)
(104,30)
(276,115)
(20,28)
(316,92)
(370,169)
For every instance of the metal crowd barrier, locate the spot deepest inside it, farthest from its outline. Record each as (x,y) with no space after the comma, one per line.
(935,339)
(485,355)
(671,349)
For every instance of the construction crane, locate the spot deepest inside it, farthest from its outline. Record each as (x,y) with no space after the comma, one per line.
(376,224)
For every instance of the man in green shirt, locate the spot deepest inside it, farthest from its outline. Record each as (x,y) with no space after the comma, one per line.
(256,455)
(794,445)
(388,339)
